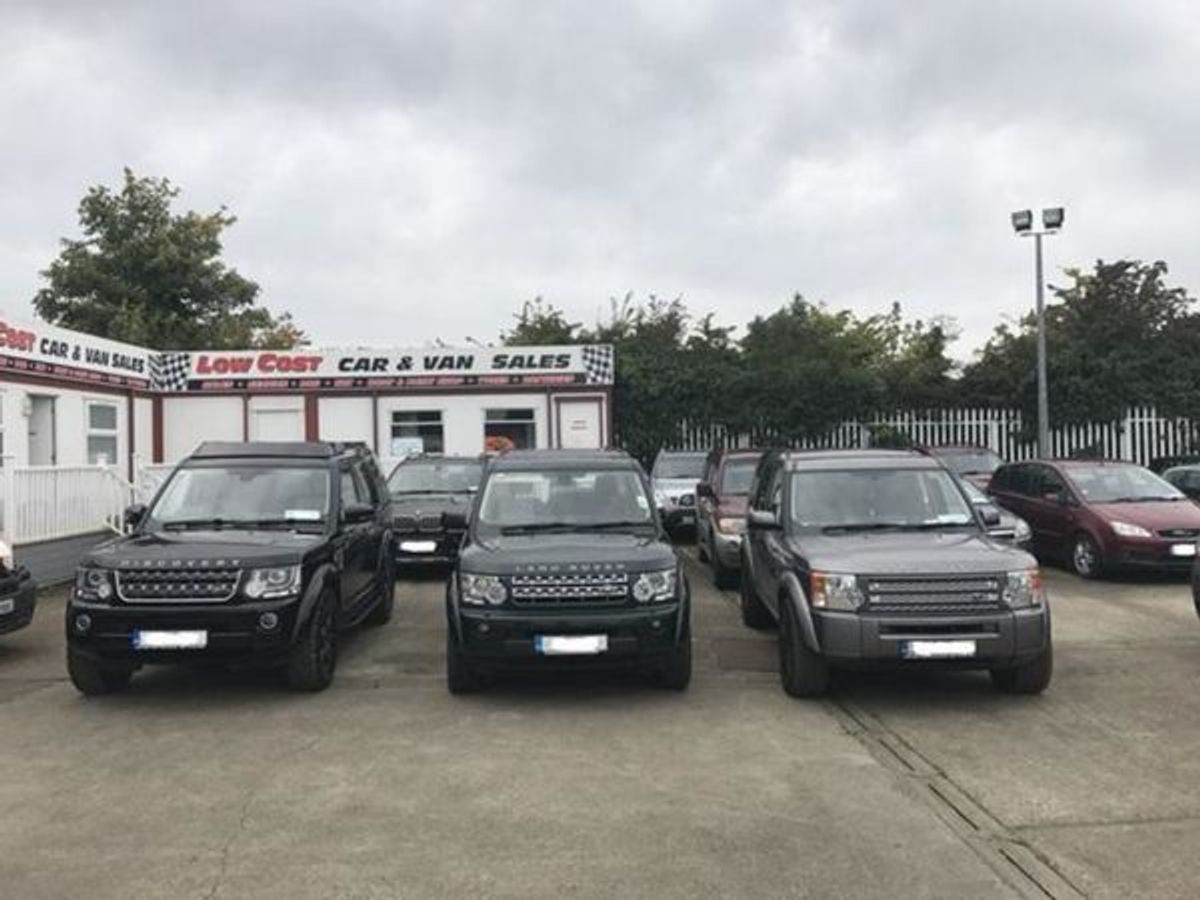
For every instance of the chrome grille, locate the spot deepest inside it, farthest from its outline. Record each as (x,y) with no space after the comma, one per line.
(568,589)
(933,594)
(177,584)
(431,522)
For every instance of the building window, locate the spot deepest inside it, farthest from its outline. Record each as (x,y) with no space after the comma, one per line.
(417,432)
(102,434)
(509,429)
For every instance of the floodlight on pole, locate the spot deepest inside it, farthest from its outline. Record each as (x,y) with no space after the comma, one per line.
(1022,222)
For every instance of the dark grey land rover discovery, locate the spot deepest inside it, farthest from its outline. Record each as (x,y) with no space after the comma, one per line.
(869,558)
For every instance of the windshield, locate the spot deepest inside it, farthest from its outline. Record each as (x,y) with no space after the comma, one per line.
(877,498)
(1120,484)
(565,499)
(441,476)
(970,462)
(737,475)
(679,466)
(974,493)
(231,495)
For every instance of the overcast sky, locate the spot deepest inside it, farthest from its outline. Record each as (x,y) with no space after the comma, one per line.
(404,171)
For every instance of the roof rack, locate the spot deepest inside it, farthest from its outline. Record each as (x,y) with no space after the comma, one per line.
(262,449)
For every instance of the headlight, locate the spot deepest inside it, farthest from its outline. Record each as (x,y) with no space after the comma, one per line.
(1024,589)
(655,586)
(1022,532)
(730,525)
(6,556)
(481,589)
(269,584)
(1124,529)
(830,590)
(93,584)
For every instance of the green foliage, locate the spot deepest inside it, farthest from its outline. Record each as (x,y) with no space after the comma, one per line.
(1116,337)
(146,275)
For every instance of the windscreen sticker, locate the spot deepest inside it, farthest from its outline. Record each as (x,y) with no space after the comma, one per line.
(643,503)
(303,515)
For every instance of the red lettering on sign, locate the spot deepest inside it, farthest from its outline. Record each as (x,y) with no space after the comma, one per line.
(222,365)
(16,338)
(278,362)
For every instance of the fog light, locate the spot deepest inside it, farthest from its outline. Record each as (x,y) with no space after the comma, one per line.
(83,623)
(268,621)
(656,624)
(483,628)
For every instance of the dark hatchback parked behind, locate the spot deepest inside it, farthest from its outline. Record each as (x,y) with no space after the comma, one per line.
(1101,516)
(251,554)
(18,593)
(566,565)
(422,489)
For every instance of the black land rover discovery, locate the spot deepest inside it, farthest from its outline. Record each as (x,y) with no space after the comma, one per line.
(879,558)
(565,564)
(250,554)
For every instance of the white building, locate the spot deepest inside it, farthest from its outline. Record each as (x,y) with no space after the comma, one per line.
(83,419)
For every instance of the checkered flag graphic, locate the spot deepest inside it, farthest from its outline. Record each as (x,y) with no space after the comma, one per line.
(169,371)
(598,364)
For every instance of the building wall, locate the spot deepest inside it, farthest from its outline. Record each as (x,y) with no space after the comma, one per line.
(276,417)
(187,421)
(463,417)
(70,422)
(344,418)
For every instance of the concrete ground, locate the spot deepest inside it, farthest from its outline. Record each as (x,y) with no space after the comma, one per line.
(211,784)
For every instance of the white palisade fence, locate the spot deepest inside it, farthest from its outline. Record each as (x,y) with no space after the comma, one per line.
(43,503)
(1141,435)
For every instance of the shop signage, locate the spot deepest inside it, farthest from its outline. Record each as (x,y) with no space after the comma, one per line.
(40,349)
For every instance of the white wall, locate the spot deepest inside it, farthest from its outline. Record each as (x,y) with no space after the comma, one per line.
(276,417)
(70,422)
(462,417)
(189,420)
(143,428)
(344,419)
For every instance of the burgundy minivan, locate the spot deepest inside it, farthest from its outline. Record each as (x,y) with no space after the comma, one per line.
(1101,515)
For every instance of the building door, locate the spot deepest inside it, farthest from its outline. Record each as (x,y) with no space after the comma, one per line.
(43,444)
(276,419)
(580,425)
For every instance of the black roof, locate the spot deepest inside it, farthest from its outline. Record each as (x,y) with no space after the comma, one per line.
(561,459)
(859,459)
(276,449)
(700,453)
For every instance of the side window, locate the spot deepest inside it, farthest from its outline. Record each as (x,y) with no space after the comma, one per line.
(775,491)
(1000,479)
(370,480)
(1021,480)
(350,488)
(1050,483)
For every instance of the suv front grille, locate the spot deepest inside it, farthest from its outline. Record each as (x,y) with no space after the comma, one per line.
(568,589)
(426,523)
(934,594)
(177,585)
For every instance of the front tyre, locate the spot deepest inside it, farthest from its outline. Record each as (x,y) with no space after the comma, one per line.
(313,660)
(677,673)
(1031,678)
(92,679)
(802,672)
(461,676)
(1086,559)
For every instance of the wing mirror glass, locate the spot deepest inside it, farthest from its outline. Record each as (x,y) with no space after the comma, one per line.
(704,489)
(990,515)
(134,515)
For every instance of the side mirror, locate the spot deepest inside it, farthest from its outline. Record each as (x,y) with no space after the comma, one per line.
(762,518)
(704,489)
(354,513)
(990,515)
(454,521)
(134,515)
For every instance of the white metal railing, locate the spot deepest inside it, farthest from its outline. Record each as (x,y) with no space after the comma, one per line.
(42,503)
(148,478)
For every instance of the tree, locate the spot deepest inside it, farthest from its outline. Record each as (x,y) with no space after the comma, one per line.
(146,275)
(1116,336)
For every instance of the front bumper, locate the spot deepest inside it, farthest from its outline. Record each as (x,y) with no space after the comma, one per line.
(728,548)
(1001,638)
(234,634)
(21,594)
(636,636)
(413,549)
(1150,555)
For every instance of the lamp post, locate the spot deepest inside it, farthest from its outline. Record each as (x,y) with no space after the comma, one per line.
(1052,222)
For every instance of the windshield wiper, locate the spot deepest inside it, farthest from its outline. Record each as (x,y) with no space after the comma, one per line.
(604,526)
(862,526)
(533,527)
(216,524)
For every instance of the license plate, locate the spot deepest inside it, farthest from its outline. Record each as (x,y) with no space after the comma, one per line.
(170,640)
(418,546)
(570,645)
(1183,549)
(7,606)
(937,649)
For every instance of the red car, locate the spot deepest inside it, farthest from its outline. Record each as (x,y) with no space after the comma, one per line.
(1101,516)
(721,511)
